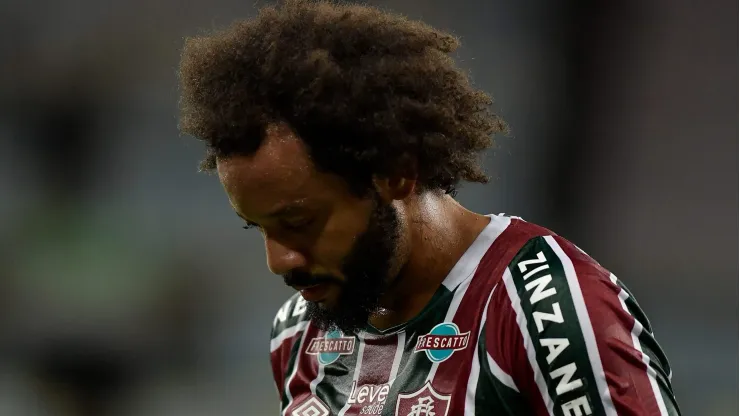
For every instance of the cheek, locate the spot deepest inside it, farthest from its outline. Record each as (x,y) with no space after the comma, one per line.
(337,240)
(332,248)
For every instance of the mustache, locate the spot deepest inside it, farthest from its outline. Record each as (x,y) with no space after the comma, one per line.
(295,278)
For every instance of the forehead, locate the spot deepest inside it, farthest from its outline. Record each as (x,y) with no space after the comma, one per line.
(280,173)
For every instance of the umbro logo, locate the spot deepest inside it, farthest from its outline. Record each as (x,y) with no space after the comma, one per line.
(311,407)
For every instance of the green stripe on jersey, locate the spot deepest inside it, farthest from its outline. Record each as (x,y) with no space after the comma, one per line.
(646,337)
(334,389)
(650,347)
(634,308)
(415,367)
(492,397)
(552,323)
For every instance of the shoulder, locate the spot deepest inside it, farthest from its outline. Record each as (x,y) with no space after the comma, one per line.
(559,322)
(551,281)
(505,237)
(548,298)
(533,261)
(510,241)
(550,270)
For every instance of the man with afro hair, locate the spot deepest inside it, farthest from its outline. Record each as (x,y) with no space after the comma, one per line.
(340,133)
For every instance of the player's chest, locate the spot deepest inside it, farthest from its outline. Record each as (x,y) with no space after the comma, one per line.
(401,374)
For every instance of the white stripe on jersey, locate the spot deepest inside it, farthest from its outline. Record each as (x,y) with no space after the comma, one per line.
(401,344)
(356,375)
(285,334)
(468,263)
(521,320)
(636,331)
(460,276)
(454,304)
(586,329)
(475,367)
(319,377)
(296,364)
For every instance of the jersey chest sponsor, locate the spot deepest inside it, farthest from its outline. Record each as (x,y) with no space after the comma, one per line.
(370,398)
(329,347)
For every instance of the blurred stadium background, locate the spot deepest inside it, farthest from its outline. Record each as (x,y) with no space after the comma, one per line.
(127,286)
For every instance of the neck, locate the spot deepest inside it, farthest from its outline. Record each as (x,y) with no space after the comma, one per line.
(440,231)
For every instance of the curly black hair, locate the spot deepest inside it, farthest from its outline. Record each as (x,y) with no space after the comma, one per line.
(365,90)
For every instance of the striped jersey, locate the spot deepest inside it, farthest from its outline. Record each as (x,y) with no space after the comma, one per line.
(524,324)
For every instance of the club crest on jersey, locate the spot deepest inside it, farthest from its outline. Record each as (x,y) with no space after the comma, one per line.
(442,341)
(329,347)
(423,402)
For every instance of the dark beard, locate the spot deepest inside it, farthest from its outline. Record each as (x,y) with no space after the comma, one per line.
(367,274)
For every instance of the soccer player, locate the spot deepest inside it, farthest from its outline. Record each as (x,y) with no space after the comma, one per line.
(339,133)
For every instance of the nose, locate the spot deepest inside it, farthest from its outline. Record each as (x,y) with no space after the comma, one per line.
(281,259)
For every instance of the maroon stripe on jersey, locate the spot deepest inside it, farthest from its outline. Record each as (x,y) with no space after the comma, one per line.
(626,373)
(280,359)
(467,317)
(369,395)
(276,358)
(307,370)
(505,344)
